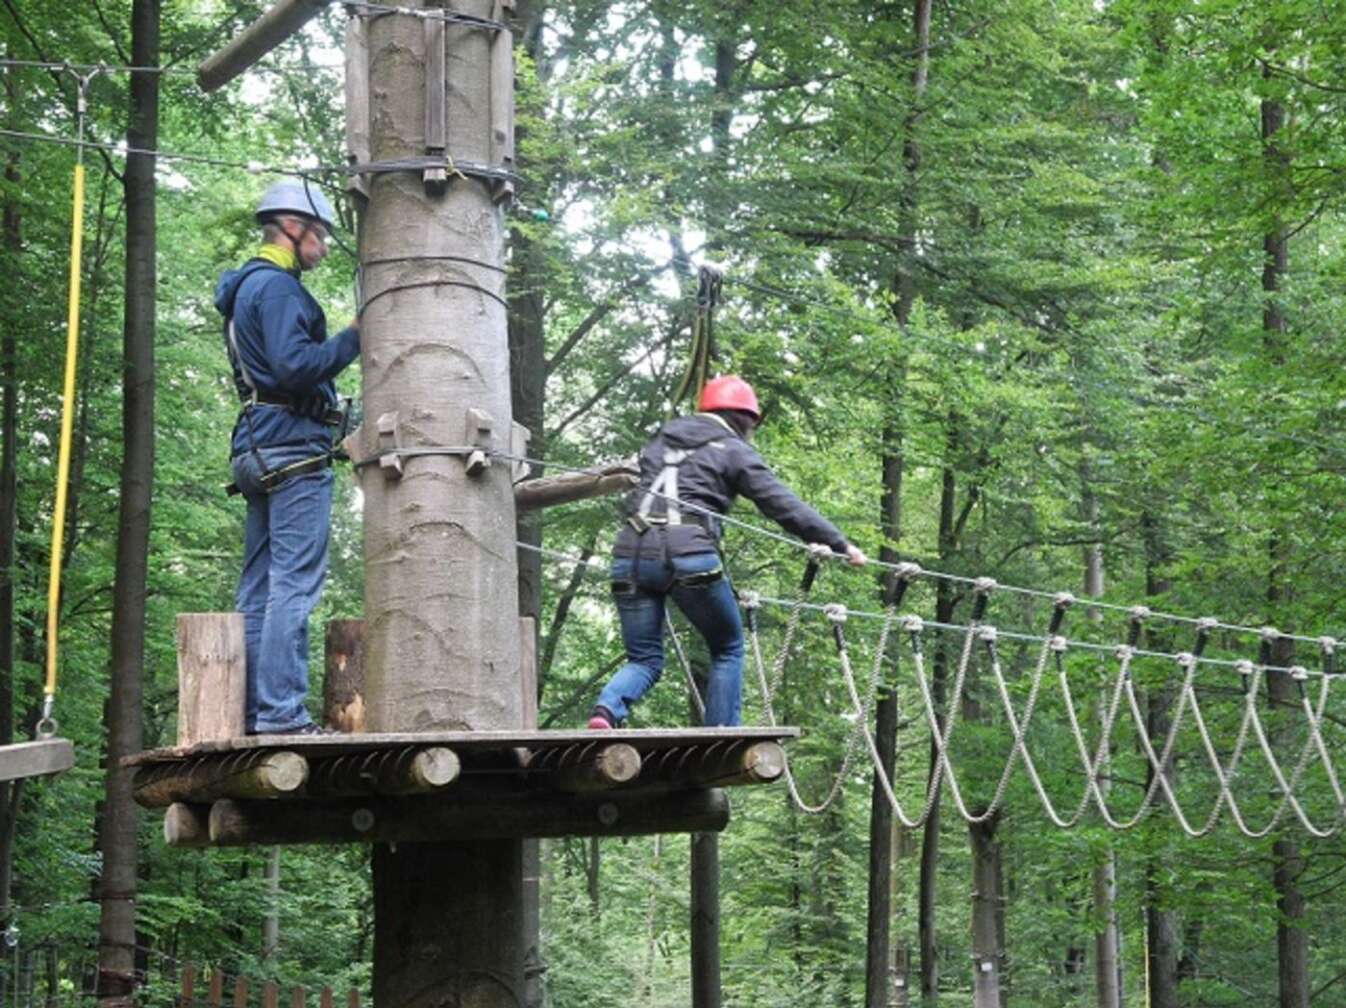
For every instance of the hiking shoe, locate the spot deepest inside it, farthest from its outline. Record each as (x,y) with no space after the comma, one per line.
(601,719)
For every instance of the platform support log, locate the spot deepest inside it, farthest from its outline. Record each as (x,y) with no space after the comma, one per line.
(253,774)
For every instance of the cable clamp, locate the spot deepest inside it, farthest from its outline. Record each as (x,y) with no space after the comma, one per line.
(1206,624)
(835,611)
(1244,667)
(907,570)
(1185,659)
(984,585)
(988,634)
(1124,652)
(1269,634)
(1328,644)
(1058,643)
(750,599)
(1298,673)
(912,624)
(1063,600)
(1140,612)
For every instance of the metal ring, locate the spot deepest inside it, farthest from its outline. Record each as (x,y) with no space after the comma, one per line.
(46,727)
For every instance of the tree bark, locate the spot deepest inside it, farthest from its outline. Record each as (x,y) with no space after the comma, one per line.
(439,541)
(986,902)
(117,833)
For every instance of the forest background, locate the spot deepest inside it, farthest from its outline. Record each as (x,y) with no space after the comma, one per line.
(1044,291)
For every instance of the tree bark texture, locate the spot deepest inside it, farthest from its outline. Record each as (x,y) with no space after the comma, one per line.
(705,920)
(441,596)
(117,832)
(986,900)
(441,600)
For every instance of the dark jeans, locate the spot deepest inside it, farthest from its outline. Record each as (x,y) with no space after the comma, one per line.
(641,590)
(284,564)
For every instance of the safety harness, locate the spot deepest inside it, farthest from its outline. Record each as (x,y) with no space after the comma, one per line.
(665,489)
(315,407)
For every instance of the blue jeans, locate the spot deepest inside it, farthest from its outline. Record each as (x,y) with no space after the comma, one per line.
(641,588)
(284,564)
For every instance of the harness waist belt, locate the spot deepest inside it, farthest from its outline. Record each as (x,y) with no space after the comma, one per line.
(330,418)
(271,480)
(644,524)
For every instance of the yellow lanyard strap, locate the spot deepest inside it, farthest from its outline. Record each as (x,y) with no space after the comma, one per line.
(46,727)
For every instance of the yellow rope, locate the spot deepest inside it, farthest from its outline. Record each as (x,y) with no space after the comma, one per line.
(67,429)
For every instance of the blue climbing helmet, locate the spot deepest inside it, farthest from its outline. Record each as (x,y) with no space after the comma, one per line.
(295,196)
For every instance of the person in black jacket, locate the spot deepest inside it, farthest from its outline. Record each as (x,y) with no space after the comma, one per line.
(690,473)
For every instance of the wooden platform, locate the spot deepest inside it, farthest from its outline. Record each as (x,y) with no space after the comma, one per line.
(438,786)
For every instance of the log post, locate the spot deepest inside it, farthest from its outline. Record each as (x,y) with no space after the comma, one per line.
(212,676)
(343,689)
(405,771)
(599,768)
(441,606)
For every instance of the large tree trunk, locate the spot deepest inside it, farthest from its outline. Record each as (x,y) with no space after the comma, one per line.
(439,541)
(117,834)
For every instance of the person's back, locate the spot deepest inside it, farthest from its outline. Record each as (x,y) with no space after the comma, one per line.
(691,471)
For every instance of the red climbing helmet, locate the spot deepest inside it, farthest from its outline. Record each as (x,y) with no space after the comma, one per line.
(729,392)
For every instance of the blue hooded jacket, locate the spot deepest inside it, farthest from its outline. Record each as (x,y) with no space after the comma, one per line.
(281,333)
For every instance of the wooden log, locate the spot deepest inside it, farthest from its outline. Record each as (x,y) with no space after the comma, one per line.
(186,997)
(325,998)
(343,691)
(187,825)
(718,765)
(36,759)
(236,823)
(404,771)
(270,994)
(546,491)
(298,997)
(215,998)
(256,773)
(212,677)
(593,767)
(241,992)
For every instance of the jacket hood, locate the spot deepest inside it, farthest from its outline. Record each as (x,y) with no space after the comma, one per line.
(226,290)
(691,431)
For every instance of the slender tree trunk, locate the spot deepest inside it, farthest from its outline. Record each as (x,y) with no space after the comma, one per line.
(1107,958)
(987,898)
(117,836)
(11,234)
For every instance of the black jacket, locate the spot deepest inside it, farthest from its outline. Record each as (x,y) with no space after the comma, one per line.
(718,467)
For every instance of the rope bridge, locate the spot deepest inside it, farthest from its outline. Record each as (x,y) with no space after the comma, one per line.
(1277,748)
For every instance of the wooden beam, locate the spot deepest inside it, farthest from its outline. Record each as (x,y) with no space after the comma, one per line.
(212,676)
(237,823)
(715,765)
(36,759)
(403,771)
(187,825)
(255,774)
(549,490)
(597,768)
(256,40)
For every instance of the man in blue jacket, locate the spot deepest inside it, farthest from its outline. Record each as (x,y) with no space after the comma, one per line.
(690,473)
(281,453)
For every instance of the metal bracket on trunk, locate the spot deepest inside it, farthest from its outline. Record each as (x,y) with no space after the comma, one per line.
(436,180)
(478,434)
(390,445)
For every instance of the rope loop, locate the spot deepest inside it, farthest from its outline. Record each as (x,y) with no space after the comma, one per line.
(1140,612)
(835,611)
(1328,645)
(1299,673)
(1058,643)
(984,585)
(988,634)
(1124,652)
(912,624)
(1063,600)
(1269,634)
(1206,624)
(1185,659)
(1244,667)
